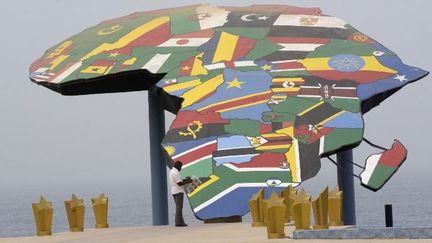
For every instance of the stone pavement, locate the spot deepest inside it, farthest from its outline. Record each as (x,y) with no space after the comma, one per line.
(221,232)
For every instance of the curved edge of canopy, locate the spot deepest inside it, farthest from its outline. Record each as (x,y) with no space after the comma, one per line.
(136,80)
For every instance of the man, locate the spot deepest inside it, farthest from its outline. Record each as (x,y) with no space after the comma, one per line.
(177,184)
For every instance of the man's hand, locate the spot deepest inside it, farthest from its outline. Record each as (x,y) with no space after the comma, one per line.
(185,181)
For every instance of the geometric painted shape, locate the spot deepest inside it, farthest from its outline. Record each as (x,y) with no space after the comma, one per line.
(379,168)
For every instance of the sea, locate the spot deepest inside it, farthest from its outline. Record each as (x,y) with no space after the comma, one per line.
(130,205)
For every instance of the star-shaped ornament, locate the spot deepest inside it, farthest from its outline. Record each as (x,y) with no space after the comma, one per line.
(102,199)
(263,18)
(114,54)
(266,67)
(235,84)
(401,78)
(75,201)
(186,68)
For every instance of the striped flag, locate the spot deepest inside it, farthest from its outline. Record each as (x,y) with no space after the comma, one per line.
(231,183)
(156,62)
(42,75)
(310,26)
(362,69)
(224,46)
(196,155)
(192,125)
(192,67)
(99,67)
(179,86)
(312,21)
(294,47)
(379,168)
(234,149)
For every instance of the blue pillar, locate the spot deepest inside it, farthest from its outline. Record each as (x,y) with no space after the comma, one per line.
(157,160)
(346,184)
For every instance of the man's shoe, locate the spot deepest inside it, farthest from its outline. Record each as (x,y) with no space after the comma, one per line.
(181,225)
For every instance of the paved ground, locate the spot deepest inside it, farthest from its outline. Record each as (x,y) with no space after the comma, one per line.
(234,232)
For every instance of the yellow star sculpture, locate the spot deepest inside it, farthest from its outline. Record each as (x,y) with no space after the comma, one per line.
(102,199)
(75,201)
(235,83)
(43,203)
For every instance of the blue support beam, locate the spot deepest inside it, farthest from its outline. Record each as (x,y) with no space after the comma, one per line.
(157,160)
(346,184)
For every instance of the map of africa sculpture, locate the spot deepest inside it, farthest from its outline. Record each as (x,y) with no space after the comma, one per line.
(261,93)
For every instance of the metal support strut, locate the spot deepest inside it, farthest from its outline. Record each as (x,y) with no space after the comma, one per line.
(345,173)
(157,160)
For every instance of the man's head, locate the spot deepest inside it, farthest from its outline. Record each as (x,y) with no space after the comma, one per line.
(178,165)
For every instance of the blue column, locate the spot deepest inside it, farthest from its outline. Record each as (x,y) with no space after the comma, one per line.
(346,184)
(157,160)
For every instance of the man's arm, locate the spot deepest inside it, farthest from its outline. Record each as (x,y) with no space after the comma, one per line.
(184,182)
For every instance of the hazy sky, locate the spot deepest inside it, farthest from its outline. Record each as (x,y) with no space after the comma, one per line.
(53,140)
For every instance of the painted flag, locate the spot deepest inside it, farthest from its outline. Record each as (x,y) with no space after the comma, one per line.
(196,18)
(126,64)
(234,149)
(41,75)
(281,68)
(278,117)
(99,67)
(362,69)
(294,47)
(156,62)
(292,10)
(309,133)
(150,35)
(193,39)
(346,120)
(379,168)
(224,46)
(52,61)
(267,161)
(192,67)
(239,90)
(274,142)
(177,87)
(340,137)
(360,37)
(136,37)
(247,127)
(226,185)
(239,65)
(310,26)
(210,17)
(192,125)
(202,91)
(196,155)
(283,87)
(249,19)
(328,91)
(311,21)
(318,114)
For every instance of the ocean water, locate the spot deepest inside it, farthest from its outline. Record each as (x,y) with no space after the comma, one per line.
(130,205)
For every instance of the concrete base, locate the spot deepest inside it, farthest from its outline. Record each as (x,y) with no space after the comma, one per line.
(366,233)
(208,233)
